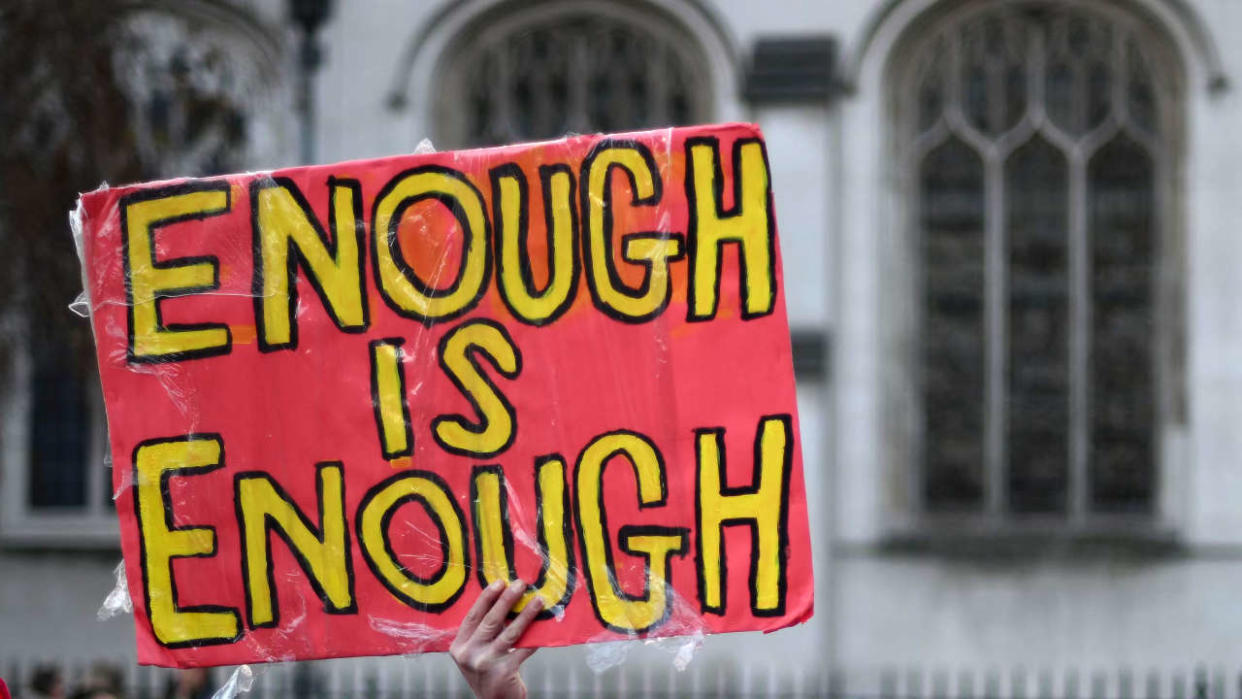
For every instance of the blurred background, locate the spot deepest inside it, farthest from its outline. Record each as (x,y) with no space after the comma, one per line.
(1010,243)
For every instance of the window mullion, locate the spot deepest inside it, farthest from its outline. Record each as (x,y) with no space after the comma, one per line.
(996,332)
(579,77)
(1079,337)
(657,91)
(98,453)
(502,120)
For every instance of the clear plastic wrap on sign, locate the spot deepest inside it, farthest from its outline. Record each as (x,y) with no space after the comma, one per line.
(240,681)
(344,399)
(117,602)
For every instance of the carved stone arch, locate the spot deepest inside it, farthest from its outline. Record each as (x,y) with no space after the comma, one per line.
(868,54)
(687,26)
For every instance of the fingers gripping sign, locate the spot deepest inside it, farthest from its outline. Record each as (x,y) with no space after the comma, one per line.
(483,649)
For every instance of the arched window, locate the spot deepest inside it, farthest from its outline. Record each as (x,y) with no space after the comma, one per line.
(1037,142)
(544,70)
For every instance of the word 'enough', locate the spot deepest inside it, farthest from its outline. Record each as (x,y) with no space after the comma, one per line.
(324,551)
(580,212)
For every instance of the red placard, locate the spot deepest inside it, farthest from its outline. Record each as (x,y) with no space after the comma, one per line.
(342,398)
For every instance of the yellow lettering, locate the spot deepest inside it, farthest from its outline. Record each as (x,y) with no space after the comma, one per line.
(512,228)
(392,411)
(749,224)
(459,354)
(494,537)
(400,286)
(619,611)
(438,591)
(263,507)
(155,462)
(150,280)
(763,506)
(652,250)
(286,233)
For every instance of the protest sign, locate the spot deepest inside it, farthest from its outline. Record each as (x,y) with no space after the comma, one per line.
(343,398)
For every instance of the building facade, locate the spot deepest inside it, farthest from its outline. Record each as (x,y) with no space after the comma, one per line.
(1008,238)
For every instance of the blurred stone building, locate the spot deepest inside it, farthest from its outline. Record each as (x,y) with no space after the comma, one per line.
(1010,242)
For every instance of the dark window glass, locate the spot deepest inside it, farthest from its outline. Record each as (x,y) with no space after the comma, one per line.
(1037,413)
(59,425)
(1140,90)
(1122,288)
(1078,80)
(993,73)
(951,214)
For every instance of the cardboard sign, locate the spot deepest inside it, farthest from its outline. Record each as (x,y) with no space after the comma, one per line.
(342,399)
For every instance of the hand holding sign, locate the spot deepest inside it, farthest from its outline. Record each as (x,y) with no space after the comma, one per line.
(483,649)
(341,397)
